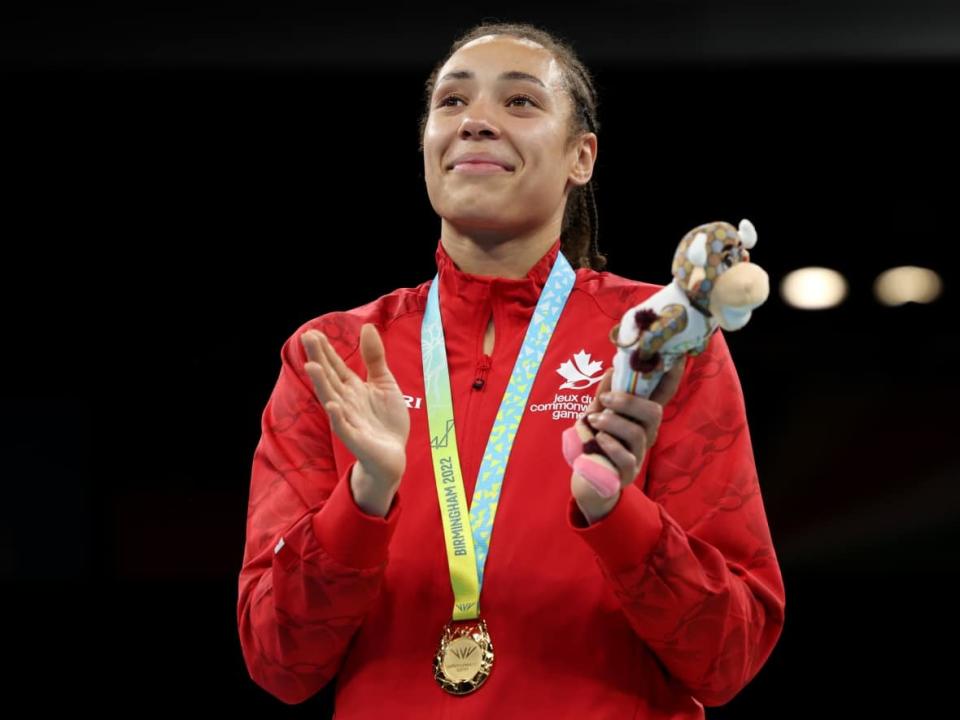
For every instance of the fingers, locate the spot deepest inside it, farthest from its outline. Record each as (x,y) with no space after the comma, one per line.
(634,433)
(318,375)
(333,376)
(371,349)
(623,459)
(340,421)
(325,380)
(606,382)
(311,344)
(332,402)
(634,419)
(314,366)
(339,372)
(634,410)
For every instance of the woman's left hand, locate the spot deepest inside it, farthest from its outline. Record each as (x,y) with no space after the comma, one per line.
(635,420)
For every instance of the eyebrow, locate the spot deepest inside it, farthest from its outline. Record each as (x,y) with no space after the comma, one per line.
(509,75)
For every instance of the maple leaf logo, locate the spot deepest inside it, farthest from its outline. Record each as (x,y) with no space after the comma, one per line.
(579,373)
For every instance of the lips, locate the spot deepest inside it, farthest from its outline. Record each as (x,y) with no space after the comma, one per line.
(478,168)
(481,160)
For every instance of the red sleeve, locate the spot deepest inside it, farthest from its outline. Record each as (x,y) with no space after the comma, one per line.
(313,561)
(692,560)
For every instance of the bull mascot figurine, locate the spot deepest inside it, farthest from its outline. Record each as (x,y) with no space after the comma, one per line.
(714,286)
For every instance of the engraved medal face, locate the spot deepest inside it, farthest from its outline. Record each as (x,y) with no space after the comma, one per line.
(461,661)
(464,658)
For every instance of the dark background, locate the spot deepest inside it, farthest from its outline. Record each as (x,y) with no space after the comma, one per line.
(188,183)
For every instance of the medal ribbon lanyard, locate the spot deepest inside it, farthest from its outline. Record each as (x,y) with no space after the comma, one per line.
(467,534)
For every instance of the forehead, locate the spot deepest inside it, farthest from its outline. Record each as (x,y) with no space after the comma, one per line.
(490,55)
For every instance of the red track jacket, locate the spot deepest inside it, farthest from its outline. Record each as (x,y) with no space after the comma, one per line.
(671,602)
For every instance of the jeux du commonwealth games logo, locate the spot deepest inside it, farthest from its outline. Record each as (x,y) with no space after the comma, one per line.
(579,374)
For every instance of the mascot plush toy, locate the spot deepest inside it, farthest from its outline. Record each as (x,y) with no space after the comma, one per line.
(714,286)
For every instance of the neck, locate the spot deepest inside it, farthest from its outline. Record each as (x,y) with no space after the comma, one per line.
(494,254)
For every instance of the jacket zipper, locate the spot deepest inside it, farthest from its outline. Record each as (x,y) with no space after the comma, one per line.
(477,387)
(484,361)
(480,374)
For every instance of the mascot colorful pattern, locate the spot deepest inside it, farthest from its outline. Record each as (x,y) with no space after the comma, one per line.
(714,286)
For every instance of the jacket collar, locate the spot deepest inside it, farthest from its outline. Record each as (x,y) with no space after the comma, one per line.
(522,292)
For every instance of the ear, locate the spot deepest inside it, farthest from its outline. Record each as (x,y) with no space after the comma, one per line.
(583,156)
(696,277)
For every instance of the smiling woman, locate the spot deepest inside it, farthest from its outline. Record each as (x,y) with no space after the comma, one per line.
(513,96)
(650,602)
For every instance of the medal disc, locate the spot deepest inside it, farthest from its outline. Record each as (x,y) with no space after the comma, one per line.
(465,656)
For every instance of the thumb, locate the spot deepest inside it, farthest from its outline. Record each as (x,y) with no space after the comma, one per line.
(605,384)
(371,348)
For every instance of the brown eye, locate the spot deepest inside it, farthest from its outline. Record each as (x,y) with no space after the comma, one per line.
(522,97)
(443,103)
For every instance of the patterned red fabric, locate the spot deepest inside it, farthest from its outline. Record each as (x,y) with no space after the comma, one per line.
(672,602)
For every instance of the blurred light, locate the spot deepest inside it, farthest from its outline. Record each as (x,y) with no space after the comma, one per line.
(907,283)
(813,288)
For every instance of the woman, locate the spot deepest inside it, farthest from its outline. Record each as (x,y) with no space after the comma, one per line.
(653,603)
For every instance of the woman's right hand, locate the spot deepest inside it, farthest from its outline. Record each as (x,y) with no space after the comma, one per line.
(371,418)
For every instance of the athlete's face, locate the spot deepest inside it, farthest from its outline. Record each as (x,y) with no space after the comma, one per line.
(504,97)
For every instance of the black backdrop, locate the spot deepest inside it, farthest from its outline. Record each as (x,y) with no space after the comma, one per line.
(172,216)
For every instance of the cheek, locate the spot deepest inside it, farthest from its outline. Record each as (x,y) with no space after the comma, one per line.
(545,167)
(545,154)
(432,153)
(432,140)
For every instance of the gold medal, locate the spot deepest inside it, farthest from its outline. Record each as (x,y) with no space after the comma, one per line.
(465,657)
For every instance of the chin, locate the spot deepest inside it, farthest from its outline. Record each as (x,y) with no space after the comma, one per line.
(481,218)
(730,321)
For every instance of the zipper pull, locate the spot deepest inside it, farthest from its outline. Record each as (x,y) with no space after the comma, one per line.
(481,374)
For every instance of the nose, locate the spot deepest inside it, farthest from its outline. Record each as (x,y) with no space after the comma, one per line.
(754,283)
(476,124)
(477,128)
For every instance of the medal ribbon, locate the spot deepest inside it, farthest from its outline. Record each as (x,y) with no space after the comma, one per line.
(467,534)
